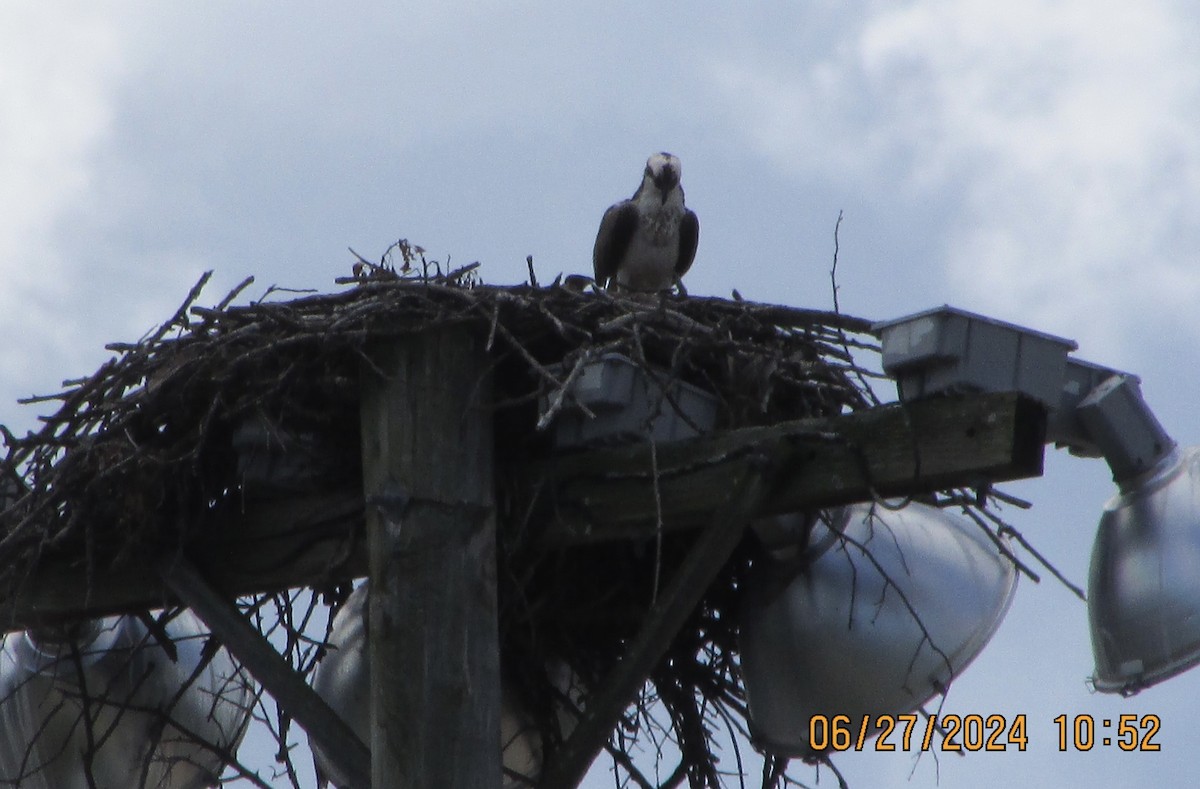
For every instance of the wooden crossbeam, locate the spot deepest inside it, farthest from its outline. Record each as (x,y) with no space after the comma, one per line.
(260,547)
(891,450)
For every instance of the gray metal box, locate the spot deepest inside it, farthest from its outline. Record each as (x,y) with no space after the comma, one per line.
(272,462)
(946,350)
(629,405)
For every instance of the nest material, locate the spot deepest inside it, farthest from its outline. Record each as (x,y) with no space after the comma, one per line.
(141,446)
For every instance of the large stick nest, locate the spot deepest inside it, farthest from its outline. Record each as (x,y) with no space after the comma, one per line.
(137,449)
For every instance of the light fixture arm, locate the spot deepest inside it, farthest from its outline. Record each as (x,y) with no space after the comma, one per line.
(1124,429)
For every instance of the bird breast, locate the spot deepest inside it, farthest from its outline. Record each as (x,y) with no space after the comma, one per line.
(660,216)
(650,261)
(661,228)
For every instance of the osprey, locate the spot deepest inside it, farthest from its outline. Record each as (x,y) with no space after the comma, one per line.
(646,243)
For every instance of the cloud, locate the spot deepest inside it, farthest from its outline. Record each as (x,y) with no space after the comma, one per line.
(59,71)
(1056,141)
(66,290)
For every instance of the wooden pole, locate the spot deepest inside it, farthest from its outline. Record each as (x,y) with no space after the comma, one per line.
(431,537)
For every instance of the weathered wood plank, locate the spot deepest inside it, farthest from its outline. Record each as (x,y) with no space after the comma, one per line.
(431,526)
(891,450)
(263,546)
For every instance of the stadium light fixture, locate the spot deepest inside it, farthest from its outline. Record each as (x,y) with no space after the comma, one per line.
(1144,575)
(104,699)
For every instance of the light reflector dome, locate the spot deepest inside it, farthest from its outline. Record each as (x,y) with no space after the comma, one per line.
(880,611)
(1144,580)
(147,708)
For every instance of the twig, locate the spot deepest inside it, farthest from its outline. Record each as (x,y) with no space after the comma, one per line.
(560,393)
(1042,560)
(533,281)
(833,270)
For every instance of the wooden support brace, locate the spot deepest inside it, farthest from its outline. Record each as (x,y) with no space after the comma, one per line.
(287,687)
(431,537)
(705,559)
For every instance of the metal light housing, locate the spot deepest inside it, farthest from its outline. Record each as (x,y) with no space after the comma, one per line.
(876,613)
(1144,578)
(105,697)
(947,350)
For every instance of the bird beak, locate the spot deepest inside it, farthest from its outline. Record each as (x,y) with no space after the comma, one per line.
(666,180)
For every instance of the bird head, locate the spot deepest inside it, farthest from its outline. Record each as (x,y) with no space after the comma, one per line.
(662,173)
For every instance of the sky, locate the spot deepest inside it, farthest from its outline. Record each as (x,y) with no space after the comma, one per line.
(1031,160)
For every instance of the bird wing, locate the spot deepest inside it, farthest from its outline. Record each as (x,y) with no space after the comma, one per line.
(616,230)
(689,239)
